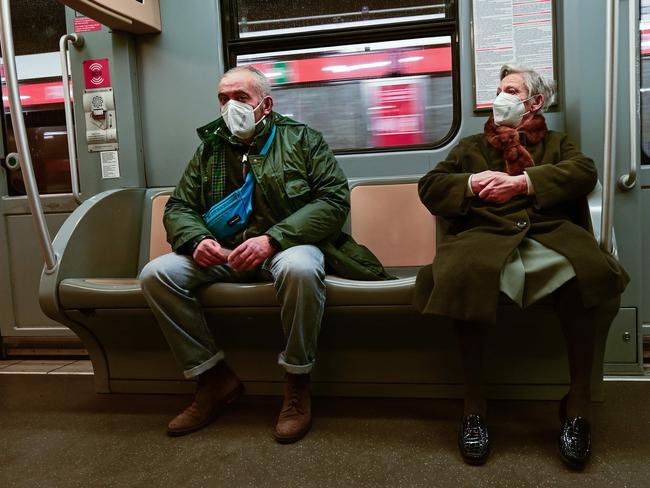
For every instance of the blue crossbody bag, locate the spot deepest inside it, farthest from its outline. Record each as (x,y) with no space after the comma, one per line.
(230,215)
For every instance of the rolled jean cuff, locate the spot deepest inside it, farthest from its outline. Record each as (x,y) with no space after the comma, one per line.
(204,366)
(292,368)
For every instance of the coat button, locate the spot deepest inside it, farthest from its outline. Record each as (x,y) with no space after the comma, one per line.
(521,223)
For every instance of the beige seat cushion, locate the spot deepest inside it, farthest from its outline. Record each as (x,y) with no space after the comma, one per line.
(387,218)
(158,244)
(392,222)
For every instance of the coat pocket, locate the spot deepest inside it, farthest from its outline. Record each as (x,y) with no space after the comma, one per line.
(298,193)
(297,188)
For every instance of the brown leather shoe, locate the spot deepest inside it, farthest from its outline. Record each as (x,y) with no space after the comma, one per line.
(295,417)
(217,388)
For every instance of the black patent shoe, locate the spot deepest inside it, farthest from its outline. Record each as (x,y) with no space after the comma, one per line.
(575,442)
(473,439)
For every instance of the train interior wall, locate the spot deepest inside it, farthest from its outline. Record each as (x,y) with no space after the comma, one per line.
(165,86)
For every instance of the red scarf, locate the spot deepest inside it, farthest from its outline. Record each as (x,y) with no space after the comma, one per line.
(506,139)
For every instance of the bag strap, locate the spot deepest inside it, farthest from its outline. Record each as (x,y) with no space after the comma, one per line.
(248,182)
(269,141)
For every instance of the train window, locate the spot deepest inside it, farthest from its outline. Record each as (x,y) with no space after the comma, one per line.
(37,27)
(385,94)
(263,18)
(644,27)
(368,75)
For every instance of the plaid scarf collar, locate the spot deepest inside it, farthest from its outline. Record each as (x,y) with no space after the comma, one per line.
(216,130)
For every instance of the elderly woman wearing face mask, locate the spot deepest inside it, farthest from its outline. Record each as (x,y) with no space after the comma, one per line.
(512,201)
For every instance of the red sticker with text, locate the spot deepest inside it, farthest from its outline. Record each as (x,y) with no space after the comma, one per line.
(96,74)
(86,24)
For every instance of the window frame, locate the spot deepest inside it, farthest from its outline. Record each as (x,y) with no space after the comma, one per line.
(44,110)
(235,46)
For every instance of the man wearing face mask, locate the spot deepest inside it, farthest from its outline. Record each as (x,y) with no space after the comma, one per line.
(263,199)
(513,201)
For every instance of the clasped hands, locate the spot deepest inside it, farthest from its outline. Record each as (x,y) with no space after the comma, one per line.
(498,187)
(248,255)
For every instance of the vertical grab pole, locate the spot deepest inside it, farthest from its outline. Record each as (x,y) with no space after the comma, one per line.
(76,41)
(627,181)
(607,216)
(16,109)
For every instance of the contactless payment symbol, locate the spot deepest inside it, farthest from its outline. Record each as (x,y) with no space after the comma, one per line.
(96,73)
(96,77)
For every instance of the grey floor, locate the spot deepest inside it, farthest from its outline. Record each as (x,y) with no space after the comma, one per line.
(56,432)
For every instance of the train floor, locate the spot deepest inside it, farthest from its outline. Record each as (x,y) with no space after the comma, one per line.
(55,431)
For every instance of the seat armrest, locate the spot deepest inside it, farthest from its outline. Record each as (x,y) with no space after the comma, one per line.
(595,201)
(100,239)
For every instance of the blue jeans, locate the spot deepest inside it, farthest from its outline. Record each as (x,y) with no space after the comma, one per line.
(169,284)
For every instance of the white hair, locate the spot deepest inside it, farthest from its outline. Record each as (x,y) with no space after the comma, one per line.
(260,82)
(535,83)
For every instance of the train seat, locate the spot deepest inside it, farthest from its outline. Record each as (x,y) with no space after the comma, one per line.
(110,237)
(368,327)
(373,206)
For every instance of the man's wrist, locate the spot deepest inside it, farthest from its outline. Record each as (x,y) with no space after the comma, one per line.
(273,243)
(197,240)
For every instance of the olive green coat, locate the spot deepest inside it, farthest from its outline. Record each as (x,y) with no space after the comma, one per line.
(306,191)
(464,280)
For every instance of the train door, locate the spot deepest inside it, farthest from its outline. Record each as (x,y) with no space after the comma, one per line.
(587,57)
(589,112)
(36,39)
(108,147)
(629,23)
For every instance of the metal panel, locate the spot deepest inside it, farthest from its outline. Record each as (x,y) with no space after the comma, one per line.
(21,263)
(118,47)
(584,110)
(622,342)
(25,265)
(7,318)
(126,15)
(178,71)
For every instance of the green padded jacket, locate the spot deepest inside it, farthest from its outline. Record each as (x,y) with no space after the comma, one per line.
(306,190)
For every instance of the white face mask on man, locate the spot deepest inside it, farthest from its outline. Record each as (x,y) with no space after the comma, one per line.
(509,109)
(240,118)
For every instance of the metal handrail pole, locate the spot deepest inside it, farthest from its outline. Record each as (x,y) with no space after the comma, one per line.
(20,132)
(77,41)
(610,126)
(628,181)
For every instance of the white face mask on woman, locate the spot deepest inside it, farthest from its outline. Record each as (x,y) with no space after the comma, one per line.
(240,118)
(508,109)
